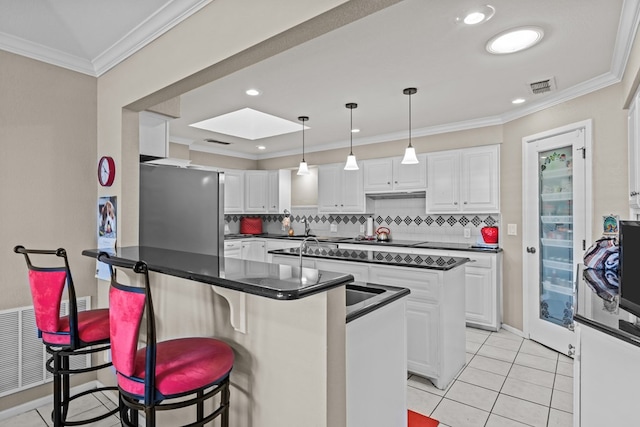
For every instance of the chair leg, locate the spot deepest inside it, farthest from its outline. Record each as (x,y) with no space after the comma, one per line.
(150,415)
(56,416)
(224,400)
(200,407)
(64,359)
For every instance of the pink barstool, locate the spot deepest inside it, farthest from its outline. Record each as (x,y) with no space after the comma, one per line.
(78,334)
(177,368)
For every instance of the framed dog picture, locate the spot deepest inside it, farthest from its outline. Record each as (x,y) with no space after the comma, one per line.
(107,228)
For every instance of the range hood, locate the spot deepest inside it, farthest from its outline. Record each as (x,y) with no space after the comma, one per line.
(397,195)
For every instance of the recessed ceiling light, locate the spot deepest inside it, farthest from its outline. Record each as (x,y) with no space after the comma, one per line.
(477,15)
(249,124)
(261,147)
(518,101)
(355,130)
(252,92)
(515,40)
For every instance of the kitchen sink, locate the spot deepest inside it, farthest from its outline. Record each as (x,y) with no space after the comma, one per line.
(357,294)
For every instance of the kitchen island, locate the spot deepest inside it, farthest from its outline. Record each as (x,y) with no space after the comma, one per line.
(287,327)
(435,310)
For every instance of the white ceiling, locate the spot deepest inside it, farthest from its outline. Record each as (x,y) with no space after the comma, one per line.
(415,43)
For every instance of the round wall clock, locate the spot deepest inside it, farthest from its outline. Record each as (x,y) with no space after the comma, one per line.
(106,171)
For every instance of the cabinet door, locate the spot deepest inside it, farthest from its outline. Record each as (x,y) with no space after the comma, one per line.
(422,338)
(359,271)
(253,250)
(378,175)
(479,188)
(255,195)
(328,188)
(634,156)
(479,296)
(233,191)
(233,249)
(443,192)
(352,191)
(273,192)
(410,177)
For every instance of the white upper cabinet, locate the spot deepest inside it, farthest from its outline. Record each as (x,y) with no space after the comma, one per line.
(279,191)
(340,190)
(255,191)
(466,180)
(389,174)
(634,155)
(233,191)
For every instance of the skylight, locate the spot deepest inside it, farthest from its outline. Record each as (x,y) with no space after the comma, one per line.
(248,123)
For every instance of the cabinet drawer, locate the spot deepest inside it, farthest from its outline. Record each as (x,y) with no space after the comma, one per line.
(478,260)
(424,284)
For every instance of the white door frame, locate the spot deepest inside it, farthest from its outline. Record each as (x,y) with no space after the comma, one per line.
(587,125)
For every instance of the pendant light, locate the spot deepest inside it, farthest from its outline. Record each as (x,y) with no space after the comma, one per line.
(352,164)
(410,153)
(303,169)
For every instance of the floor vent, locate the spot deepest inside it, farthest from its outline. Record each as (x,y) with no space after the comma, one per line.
(542,86)
(22,354)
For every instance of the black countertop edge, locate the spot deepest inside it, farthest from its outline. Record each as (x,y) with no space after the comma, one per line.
(394,293)
(237,285)
(370,257)
(615,333)
(418,244)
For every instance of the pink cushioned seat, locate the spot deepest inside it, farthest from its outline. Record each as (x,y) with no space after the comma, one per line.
(93,327)
(182,365)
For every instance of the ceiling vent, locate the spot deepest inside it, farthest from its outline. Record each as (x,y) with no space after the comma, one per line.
(215,141)
(542,86)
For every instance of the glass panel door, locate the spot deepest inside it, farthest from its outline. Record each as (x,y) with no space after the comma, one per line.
(556,235)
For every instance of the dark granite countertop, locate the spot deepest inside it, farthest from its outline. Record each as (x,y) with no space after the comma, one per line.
(361,308)
(268,280)
(448,246)
(597,306)
(376,257)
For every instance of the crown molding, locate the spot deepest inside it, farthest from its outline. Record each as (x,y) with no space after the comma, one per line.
(629,19)
(170,15)
(153,27)
(46,54)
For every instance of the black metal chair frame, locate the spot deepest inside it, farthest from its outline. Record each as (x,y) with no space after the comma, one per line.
(58,364)
(132,404)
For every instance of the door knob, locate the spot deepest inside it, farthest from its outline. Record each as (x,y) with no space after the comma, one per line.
(572,350)
(531,249)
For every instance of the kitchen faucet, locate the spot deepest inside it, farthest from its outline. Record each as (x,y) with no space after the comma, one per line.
(307,226)
(302,246)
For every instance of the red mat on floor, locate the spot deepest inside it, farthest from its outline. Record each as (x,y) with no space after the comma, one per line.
(419,420)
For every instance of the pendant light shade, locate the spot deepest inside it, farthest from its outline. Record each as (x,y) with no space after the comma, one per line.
(352,163)
(410,157)
(303,169)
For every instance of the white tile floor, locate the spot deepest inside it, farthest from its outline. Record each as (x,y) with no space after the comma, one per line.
(507,382)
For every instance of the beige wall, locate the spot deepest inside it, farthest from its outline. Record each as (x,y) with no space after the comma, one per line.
(47,176)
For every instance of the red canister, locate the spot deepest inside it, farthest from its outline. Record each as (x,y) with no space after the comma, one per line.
(489,234)
(250,225)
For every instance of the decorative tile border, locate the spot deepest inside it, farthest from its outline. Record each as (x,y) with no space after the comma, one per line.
(427,220)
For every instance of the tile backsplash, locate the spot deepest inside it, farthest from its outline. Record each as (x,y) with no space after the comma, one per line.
(405,218)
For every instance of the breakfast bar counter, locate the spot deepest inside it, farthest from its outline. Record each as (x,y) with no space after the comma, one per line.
(286,326)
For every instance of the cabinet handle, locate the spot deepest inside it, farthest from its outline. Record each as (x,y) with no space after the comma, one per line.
(572,350)
(388,182)
(396,182)
(531,249)
(465,203)
(634,193)
(455,203)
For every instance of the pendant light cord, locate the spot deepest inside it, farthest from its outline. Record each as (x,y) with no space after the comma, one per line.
(410,120)
(351,134)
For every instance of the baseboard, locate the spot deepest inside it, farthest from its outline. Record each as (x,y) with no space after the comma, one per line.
(513,330)
(35,404)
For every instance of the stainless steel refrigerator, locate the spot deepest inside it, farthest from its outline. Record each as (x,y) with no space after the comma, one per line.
(182,209)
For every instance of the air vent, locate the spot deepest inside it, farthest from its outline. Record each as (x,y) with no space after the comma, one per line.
(542,86)
(215,141)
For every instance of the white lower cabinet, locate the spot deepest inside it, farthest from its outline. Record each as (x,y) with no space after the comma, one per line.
(422,332)
(254,250)
(605,379)
(233,249)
